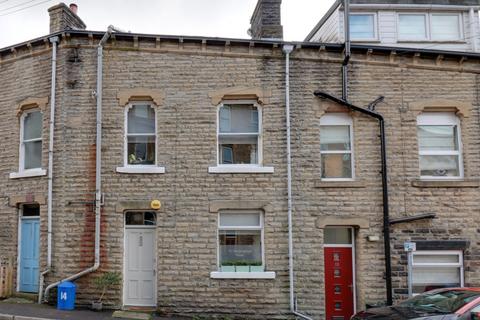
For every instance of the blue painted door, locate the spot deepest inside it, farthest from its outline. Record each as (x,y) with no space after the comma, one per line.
(29,253)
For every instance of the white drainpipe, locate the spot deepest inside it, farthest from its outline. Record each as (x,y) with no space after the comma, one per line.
(287,49)
(54,41)
(98,167)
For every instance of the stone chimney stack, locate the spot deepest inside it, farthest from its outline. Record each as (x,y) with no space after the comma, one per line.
(65,18)
(266,20)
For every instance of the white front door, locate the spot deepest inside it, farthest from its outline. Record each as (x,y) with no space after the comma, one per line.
(140,267)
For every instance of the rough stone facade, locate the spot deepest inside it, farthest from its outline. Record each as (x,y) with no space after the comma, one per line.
(184,75)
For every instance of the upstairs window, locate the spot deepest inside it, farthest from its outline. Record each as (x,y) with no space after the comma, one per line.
(336,150)
(445,26)
(439,145)
(239,134)
(412,26)
(430,27)
(362,26)
(140,139)
(31,140)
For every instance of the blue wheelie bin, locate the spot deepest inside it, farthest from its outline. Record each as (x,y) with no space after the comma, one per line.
(66,296)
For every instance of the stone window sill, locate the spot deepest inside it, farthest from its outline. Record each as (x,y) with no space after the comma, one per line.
(446,183)
(242,275)
(338,184)
(154,170)
(240,169)
(28,173)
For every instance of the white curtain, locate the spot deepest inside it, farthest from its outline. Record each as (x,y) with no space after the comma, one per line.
(247,219)
(437,138)
(436,275)
(335,138)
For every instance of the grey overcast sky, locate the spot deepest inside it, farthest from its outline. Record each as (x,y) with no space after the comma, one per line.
(22,20)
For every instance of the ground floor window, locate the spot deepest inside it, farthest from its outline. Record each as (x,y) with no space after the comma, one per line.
(240,241)
(435,269)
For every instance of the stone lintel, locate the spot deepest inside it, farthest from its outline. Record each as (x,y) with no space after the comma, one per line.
(261,95)
(217,205)
(31,103)
(351,221)
(124,96)
(16,200)
(461,108)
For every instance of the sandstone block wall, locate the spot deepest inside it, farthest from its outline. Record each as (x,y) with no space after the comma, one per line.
(186,74)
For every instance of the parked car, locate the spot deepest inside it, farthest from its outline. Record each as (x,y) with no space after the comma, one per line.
(440,304)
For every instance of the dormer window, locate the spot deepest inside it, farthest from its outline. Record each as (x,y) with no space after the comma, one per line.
(412,26)
(362,26)
(445,26)
(429,27)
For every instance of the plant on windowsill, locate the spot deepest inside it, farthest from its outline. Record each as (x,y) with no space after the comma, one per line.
(105,282)
(241,266)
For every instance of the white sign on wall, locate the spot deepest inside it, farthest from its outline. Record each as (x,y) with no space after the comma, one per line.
(410,246)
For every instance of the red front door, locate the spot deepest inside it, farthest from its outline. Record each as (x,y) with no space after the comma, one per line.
(338,283)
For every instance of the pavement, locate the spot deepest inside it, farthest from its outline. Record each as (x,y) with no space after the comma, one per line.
(20,309)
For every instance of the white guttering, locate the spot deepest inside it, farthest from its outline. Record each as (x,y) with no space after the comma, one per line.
(98,168)
(287,49)
(473,29)
(412,7)
(54,41)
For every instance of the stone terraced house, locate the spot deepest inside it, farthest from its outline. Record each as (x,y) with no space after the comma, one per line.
(228,177)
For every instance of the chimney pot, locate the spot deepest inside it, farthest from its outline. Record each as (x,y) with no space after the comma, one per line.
(74,7)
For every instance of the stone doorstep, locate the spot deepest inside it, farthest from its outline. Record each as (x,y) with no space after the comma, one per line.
(27,297)
(132,315)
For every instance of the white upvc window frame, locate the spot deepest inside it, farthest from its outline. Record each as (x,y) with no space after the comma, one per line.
(241,168)
(439,119)
(241,275)
(461,35)
(428,26)
(338,119)
(375,26)
(141,168)
(32,172)
(412,264)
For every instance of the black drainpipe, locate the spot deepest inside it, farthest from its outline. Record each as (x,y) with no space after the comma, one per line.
(383,152)
(346,25)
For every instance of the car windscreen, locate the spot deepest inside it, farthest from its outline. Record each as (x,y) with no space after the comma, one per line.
(441,301)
